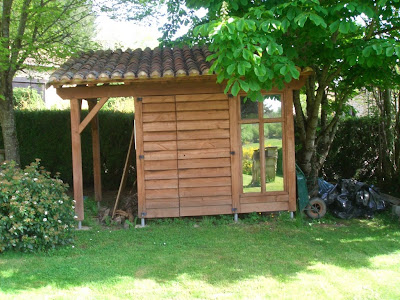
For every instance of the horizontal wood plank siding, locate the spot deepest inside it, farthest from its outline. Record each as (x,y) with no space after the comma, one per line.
(204,153)
(159,107)
(160,156)
(205,172)
(201,144)
(205,182)
(203,134)
(259,207)
(158,117)
(204,124)
(161,193)
(202,115)
(203,141)
(201,105)
(163,203)
(203,163)
(160,146)
(200,97)
(205,210)
(171,174)
(206,201)
(162,212)
(161,184)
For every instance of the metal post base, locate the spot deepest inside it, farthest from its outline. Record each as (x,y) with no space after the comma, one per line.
(98,204)
(236,217)
(292,215)
(79,225)
(142,222)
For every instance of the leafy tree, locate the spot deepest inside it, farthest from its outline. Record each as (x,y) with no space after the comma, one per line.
(39,33)
(259,44)
(387,102)
(27,98)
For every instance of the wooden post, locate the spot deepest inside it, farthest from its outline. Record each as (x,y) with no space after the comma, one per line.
(235,152)
(96,153)
(262,146)
(290,173)
(77,157)
(139,156)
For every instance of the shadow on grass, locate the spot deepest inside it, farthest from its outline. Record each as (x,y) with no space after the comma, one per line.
(213,254)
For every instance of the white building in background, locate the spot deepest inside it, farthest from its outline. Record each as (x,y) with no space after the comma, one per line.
(38,81)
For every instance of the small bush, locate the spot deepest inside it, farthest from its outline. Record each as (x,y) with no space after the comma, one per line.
(35,212)
(27,98)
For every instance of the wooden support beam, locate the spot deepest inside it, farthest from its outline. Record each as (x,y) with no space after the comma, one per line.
(77,157)
(235,152)
(140,157)
(126,169)
(96,152)
(290,166)
(92,113)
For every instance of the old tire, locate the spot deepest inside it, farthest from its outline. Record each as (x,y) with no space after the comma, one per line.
(316,208)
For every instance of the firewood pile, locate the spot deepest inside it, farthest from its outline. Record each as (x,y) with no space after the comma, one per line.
(126,212)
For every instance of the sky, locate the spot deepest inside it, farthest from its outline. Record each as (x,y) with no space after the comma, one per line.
(113,34)
(122,34)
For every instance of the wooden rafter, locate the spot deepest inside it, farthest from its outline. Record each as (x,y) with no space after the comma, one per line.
(93,112)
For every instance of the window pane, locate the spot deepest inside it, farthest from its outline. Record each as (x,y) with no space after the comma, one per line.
(248,109)
(251,158)
(273,157)
(272,106)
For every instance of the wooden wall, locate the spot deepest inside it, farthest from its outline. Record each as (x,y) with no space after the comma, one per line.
(188,158)
(186,150)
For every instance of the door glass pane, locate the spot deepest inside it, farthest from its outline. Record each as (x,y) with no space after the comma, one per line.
(272,106)
(248,109)
(251,158)
(273,157)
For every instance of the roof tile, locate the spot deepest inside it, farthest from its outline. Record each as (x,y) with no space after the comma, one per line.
(120,65)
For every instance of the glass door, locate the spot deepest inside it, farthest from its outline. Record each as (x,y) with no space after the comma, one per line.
(261,125)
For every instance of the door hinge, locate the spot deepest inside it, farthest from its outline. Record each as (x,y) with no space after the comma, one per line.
(232,152)
(230,96)
(139,98)
(141,156)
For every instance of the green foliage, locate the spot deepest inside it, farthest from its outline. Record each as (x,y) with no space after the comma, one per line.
(122,104)
(27,98)
(249,133)
(355,151)
(47,135)
(35,212)
(247,166)
(355,154)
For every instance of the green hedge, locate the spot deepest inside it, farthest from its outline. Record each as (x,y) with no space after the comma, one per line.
(355,150)
(46,135)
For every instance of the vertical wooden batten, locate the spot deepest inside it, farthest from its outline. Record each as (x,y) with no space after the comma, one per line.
(138,132)
(96,152)
(77,157)
(290,150)
(235,152)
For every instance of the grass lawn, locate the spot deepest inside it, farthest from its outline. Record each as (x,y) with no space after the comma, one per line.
(277,258)
(276,185)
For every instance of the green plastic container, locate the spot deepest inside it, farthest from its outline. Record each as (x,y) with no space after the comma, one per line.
(302,191)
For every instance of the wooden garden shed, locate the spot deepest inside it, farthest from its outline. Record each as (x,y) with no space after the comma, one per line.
(197,149)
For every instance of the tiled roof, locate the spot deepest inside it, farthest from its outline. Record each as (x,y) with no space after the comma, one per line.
(118,65)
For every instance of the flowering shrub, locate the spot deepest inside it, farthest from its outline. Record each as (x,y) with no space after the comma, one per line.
(35,212)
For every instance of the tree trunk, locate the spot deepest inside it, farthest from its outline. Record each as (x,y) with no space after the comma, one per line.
(7,119)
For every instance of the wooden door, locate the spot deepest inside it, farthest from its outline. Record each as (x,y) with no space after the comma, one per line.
(157,157)
(204,163)
(184,154)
